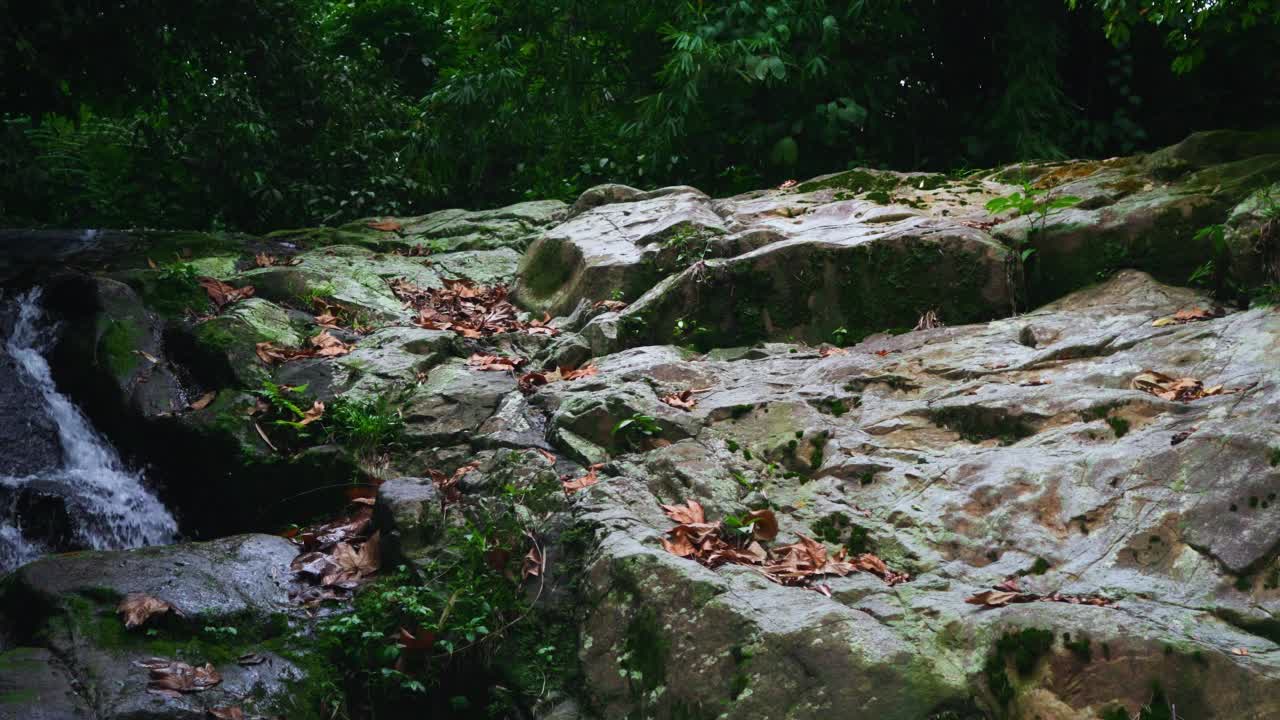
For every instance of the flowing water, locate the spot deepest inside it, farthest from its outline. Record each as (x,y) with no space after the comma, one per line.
(106,505)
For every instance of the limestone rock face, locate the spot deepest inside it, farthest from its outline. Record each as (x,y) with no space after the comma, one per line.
(964,457)
(843,352)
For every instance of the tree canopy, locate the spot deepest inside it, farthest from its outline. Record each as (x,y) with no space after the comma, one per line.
(249,114)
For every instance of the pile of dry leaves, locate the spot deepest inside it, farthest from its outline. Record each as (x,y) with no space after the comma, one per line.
(470,310)
(336,557)
(322,345)
(1008,592)
(740,542)
(531,381)
(1170,388)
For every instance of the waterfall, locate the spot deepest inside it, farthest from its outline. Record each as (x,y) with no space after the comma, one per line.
(107,505)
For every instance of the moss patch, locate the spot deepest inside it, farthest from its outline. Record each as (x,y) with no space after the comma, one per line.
(119,340)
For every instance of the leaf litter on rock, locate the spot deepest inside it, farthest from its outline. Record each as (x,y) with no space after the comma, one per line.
(172,678)
(336,557)
(572,485)
(323,344)
(221,294)
(1167,387)
(467,309)
(741,541)
(1008,592)
(495,362)
(1195,314)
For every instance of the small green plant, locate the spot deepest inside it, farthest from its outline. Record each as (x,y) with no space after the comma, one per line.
(1035,204)
(1119,426)
(840,336)
(225,632)
(689,244)
(687,330)
(318,294)
(180,274)
(634,429)
(1211,273)
(366,426)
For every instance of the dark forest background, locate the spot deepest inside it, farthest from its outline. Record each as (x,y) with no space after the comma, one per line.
(259,114)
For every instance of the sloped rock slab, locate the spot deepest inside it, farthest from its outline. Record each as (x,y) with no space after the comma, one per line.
(964,456)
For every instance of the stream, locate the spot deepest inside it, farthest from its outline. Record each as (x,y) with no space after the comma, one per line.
(87,498)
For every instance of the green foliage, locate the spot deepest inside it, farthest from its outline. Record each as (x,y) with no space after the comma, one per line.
(255,114)
(467,609)
(366,426)
(1038,206)
(632,430)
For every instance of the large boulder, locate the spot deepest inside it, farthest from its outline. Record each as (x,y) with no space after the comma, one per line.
(963,456)
(234,613)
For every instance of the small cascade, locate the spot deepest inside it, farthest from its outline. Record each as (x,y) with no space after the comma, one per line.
(88,499)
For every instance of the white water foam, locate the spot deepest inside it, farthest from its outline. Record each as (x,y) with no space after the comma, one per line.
(109,505)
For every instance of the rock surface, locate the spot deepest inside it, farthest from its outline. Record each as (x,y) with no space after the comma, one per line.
(67,604)
(963,445)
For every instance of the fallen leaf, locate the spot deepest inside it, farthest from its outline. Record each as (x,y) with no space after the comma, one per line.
(226,713)
(829,350)
(586,481)
(385,225)
(137,608)
(173,678)
(152,264)
(313,414)
(1000,598)
(150,358)
(1035,383)
(531,381)
(221,294)
(689,513)
(1194,314)
(262,434)
(683,400)
(551,459)
(787,185)
(329,346)
(533,564)
(495,362)
(585,371)
(327,320)
(609,305)
(203,401)
(1239,651)
(764,524)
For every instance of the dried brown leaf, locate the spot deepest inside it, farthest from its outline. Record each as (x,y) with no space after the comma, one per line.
(683,400)
(136,608)
(689,513)
(203,401)
(173,678)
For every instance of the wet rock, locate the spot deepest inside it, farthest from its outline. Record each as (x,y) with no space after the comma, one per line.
(68,603)
(611,247)
(964,457)
(35,686)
